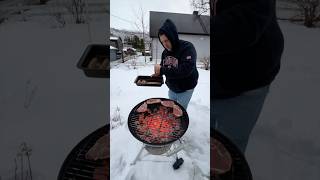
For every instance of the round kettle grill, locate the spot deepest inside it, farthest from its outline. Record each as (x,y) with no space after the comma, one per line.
(238,169)
(77,166)
(159,127)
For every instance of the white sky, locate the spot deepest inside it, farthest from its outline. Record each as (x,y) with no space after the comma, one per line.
(123,12)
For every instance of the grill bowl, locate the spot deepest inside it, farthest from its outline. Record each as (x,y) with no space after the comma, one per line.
(156,150)
(76,166)
(240,169)
(133,116)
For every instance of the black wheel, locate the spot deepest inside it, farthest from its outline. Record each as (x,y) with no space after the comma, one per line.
(178,163)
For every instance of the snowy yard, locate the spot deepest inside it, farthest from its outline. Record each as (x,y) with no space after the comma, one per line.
(285,142)
(45,100)
(124,95)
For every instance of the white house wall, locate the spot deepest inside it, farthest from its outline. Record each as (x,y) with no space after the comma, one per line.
(201,43)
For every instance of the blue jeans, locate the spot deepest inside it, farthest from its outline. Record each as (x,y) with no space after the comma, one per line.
(182,98)
(236,117)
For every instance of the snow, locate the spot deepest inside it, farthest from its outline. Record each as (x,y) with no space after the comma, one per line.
(111,47)
(124,94)
(53,13)
(286,10)
(285,142)
(113,38)
(45,100)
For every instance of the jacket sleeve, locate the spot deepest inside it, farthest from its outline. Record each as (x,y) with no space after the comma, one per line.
(187,64)
(241,25)
(161,63)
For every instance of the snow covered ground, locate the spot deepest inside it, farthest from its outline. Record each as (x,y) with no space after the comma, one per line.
(45,100)
(124,95)
(285,142)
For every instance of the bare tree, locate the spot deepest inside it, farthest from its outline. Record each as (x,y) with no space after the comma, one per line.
(202,6)
(206,63)
(116,119)
(58,16)
(77,9)
(24,151)
(141,25)
(15,169)
(2,16)
(309,10)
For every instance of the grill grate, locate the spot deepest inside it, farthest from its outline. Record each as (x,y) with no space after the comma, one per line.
(158,126)
(76,166)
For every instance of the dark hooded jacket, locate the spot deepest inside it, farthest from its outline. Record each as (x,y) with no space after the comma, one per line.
(246,46)
(179,64)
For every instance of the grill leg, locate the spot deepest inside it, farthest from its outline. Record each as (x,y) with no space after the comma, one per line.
(176,149)
(138,155)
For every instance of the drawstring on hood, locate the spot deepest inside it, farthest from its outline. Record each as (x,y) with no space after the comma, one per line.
(170,30)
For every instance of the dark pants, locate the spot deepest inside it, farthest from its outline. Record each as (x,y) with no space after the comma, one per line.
(236,117)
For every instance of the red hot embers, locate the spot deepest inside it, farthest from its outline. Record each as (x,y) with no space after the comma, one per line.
(155,121)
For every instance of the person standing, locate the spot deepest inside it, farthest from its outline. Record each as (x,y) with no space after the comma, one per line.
(178,64)
(247,45)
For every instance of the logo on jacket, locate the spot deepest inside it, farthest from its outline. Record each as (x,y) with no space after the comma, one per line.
(170,61)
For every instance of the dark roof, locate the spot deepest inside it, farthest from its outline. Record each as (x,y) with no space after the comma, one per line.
(185,23)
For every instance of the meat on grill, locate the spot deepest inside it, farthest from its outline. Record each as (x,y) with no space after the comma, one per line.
(100,150)
(153,101)
(177,111)
(167,103)
(158,127)
(143,108)
(221,161)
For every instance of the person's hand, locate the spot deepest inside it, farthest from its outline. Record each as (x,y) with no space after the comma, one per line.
(157,69)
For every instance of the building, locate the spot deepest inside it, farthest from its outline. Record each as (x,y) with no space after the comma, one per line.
(191,27)
(116,42)
(113,53)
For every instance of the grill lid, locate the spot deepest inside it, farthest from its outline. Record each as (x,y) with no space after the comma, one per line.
(158,121)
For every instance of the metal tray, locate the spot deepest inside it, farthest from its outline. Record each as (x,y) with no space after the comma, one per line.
(90,59)
(149,81)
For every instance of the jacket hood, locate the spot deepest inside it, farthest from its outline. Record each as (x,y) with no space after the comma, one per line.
(170,30)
